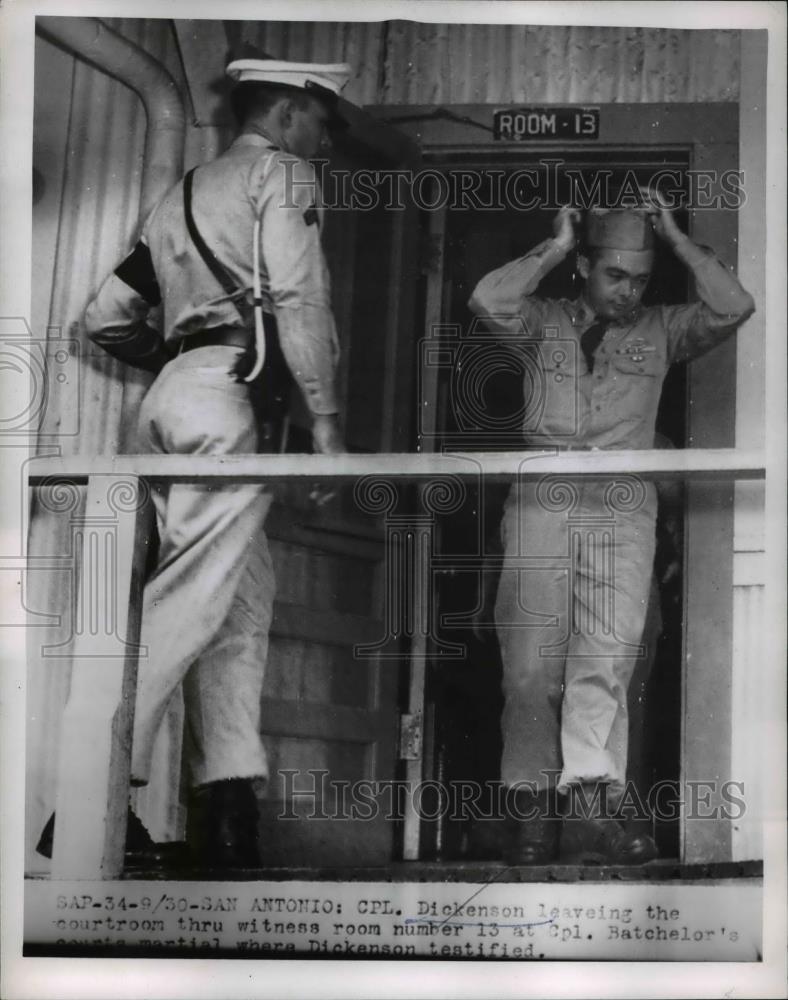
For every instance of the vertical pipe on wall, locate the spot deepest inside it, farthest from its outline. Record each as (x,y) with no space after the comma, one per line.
(94,41)
(101,46)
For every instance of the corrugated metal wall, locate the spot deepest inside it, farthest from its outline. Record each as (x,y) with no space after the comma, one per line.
(88,147)
(749,739)
(89,137)
(96,218)
(403,62)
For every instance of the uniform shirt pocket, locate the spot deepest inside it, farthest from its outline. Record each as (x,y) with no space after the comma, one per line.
(635,384)
(553,405)
(647,361)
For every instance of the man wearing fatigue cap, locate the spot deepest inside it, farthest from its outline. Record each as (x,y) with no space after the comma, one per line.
(578,555)
(242,232)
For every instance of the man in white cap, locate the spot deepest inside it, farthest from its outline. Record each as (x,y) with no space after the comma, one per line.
(578,555)
(233,254)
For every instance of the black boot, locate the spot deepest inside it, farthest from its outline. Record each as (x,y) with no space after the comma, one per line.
(592,836)
(531,828)
(141,850)
(225,825)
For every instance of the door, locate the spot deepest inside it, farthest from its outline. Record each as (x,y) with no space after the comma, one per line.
(698,407)
(330,708)
(465,697)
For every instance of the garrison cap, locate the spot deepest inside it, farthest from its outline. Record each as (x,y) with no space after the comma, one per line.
(322,80)
(619,229)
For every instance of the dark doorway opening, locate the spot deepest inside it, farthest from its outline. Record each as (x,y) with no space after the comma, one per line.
(463,698)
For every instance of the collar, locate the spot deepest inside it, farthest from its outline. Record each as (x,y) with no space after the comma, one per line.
(255,139)
(581,314)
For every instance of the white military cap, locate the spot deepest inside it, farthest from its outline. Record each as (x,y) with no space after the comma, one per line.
(324,80)
(330,77)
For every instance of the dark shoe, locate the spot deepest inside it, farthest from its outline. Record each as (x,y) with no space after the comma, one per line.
(141,849)
(591,836)
(225,825)
(531,828)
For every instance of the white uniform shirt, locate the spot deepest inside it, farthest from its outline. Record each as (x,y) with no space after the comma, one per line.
(251,178)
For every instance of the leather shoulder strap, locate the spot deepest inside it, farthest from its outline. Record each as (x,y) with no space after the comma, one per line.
(214,265)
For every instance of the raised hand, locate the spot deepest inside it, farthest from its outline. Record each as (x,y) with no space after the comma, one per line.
(564,226)
(661,217)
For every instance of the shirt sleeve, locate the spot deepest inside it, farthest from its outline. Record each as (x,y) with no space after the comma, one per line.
(504,297)
(124,298)
(288,199)
(116,318)
(724,305)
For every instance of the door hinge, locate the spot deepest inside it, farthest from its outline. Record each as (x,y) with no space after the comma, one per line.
(411,732)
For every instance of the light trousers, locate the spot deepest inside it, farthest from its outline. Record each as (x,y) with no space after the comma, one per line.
(570,612)
(207,608)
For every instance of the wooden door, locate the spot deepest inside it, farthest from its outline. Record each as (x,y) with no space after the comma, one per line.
(330,710)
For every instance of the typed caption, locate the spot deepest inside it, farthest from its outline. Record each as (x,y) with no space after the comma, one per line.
(693,922)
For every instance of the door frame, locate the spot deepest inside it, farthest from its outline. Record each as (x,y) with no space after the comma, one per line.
(709,136)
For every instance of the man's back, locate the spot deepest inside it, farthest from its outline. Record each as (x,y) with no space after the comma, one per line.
(227,195)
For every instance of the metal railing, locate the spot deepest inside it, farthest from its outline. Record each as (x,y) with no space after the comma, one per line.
(95,749)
